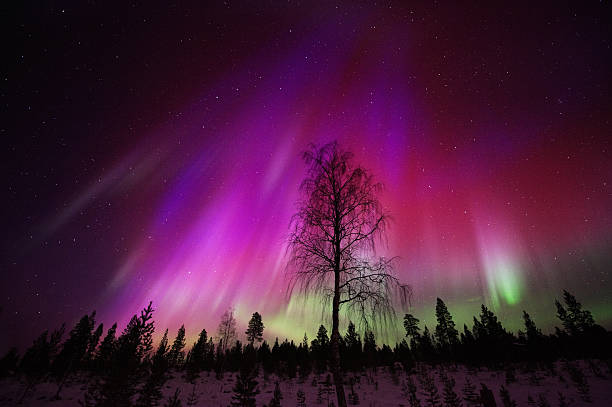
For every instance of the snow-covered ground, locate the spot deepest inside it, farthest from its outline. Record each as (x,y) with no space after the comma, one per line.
(374,388)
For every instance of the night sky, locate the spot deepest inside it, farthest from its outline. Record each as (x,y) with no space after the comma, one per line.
(152,152)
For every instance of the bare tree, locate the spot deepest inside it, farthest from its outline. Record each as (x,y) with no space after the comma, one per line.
(332,243)
(227,329)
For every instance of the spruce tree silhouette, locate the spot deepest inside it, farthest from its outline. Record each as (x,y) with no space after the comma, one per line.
(73,351)
(255,329)
(332,243)
(151,392)
(197,356)
(176,354)
(120,380)
(105,351)
(446,335)
(37,359)
(411,326)
(575,320)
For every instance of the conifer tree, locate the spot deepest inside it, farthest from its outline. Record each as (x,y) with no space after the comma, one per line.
(426,346)
(197,356)
(320,349)
(411,325)
(73,351)
(151,392)
(37,359)
(255,329)
(176,355)
(446,334)
(575,320)
(504,394)
(353,346)
(93,343)
(369,348)
(532,332)
(125,369)
(245,388)
(106,350)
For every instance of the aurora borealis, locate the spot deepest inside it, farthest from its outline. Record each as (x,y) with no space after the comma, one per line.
(154,154)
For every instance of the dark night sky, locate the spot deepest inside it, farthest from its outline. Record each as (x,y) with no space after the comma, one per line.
(152,153)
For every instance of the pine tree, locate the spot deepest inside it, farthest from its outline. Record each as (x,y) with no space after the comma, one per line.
(504,394)
(470,396)
(125,369)
(93,344)
(446,334)
(575,320)
(73,351)
(197,356)
(276,397)
(176,354)
(411,325)
(245,388)
(174,400)
(37,359)
(353,347)
(255,329)
(430,391)
(151,392)
(450,397)
(532,332)
(301,398)
(106,350)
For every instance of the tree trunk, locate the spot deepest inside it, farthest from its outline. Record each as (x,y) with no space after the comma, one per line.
(335,345)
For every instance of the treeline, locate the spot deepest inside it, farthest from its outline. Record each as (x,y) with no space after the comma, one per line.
(125,367)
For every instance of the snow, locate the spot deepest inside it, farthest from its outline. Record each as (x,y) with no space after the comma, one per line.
(378,387)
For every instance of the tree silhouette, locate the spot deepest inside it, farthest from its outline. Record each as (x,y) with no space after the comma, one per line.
(106,349)
(227,329)
(575,319)
(446,334)
(411,325)
(125,367)
(176,354)
(255,329)
(332,242)
(73,351)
